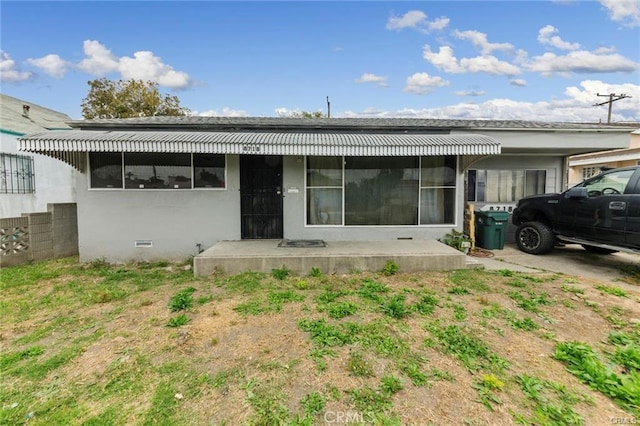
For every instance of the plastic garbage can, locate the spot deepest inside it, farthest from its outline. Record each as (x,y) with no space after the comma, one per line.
(491,228)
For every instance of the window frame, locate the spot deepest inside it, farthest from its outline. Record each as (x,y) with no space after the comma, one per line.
(419,189)
(524,172)
(192,168)
(23,175)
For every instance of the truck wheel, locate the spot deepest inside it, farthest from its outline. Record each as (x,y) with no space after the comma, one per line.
(598,250)
(535,238)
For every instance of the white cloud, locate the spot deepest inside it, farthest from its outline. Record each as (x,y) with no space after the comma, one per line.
(479,39)
(518,82)
(53,65)
(547,35)
(99,60)
(438,24)
(372,78)
(143,66)
(446,61)
(9,70)
(411,19)
(625,11)
(581,62)
(470,93)
(577,106)
(146,66)
(226,112)
(423,83)
(417,20)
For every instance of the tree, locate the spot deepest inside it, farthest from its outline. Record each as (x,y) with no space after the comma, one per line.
(128,98)
(307,114)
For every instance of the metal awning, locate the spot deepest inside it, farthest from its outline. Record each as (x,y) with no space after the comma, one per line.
(70,146)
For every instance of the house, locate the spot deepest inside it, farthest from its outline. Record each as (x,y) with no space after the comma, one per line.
(167,187)
(28,182)
(584,166)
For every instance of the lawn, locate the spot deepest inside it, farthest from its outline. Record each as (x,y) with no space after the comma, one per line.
(149,343)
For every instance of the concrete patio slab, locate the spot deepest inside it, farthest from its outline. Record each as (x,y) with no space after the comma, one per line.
(338,257)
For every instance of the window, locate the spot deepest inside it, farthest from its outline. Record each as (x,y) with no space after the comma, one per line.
(157,170)
(16,174)
(324,190)
(138,170)
(437,190)
(504,186)
(381,191)
(609,183)
(208,171)
(106,169)
(588,172)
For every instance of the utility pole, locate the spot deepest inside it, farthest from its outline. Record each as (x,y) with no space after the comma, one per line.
(612,98)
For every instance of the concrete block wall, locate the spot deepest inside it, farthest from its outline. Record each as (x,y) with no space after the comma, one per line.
(65,229)
(39,236)
(14,241)
(40,226)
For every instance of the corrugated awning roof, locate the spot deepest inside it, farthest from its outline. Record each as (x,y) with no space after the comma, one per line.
(67,145)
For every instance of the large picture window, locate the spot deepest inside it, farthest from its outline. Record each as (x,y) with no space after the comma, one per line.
(16,174)
(138,170)
(381,191)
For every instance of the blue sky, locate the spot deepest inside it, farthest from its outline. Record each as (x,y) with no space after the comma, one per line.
(529,60)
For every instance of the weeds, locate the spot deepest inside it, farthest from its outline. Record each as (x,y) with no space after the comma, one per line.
(469,350)
(531,303)
(487,388)
(182,300)
(395,307)
(582,361)
(390,268)
(358,366)
(613,290)
(315,272)
(178,321)
(551,402)
(280,273)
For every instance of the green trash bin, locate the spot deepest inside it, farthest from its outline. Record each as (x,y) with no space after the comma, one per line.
(490,229)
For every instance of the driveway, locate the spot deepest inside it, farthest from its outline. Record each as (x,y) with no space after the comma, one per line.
(571,259)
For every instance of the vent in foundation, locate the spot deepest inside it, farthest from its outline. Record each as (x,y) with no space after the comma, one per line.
(405,238)
(143,243)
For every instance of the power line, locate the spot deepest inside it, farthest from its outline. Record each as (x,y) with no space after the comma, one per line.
(612,98)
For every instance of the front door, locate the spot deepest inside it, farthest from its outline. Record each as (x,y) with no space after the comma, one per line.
(261,196)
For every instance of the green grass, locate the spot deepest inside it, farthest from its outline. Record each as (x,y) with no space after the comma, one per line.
(471,351)
(613,290)
(622,387)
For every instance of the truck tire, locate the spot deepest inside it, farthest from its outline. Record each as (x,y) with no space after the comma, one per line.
(535,238)
(598,250)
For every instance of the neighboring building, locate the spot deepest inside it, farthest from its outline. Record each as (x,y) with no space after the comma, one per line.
(584,166)
(29,182)
(161,187)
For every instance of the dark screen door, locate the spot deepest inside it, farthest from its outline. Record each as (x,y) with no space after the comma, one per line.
(261,196)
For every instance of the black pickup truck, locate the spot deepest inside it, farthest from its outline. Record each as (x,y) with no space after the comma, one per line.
(602,214)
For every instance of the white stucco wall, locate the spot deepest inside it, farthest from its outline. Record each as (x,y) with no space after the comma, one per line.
(54,182)
(110,221)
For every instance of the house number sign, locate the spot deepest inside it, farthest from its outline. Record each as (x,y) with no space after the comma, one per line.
(250,148)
